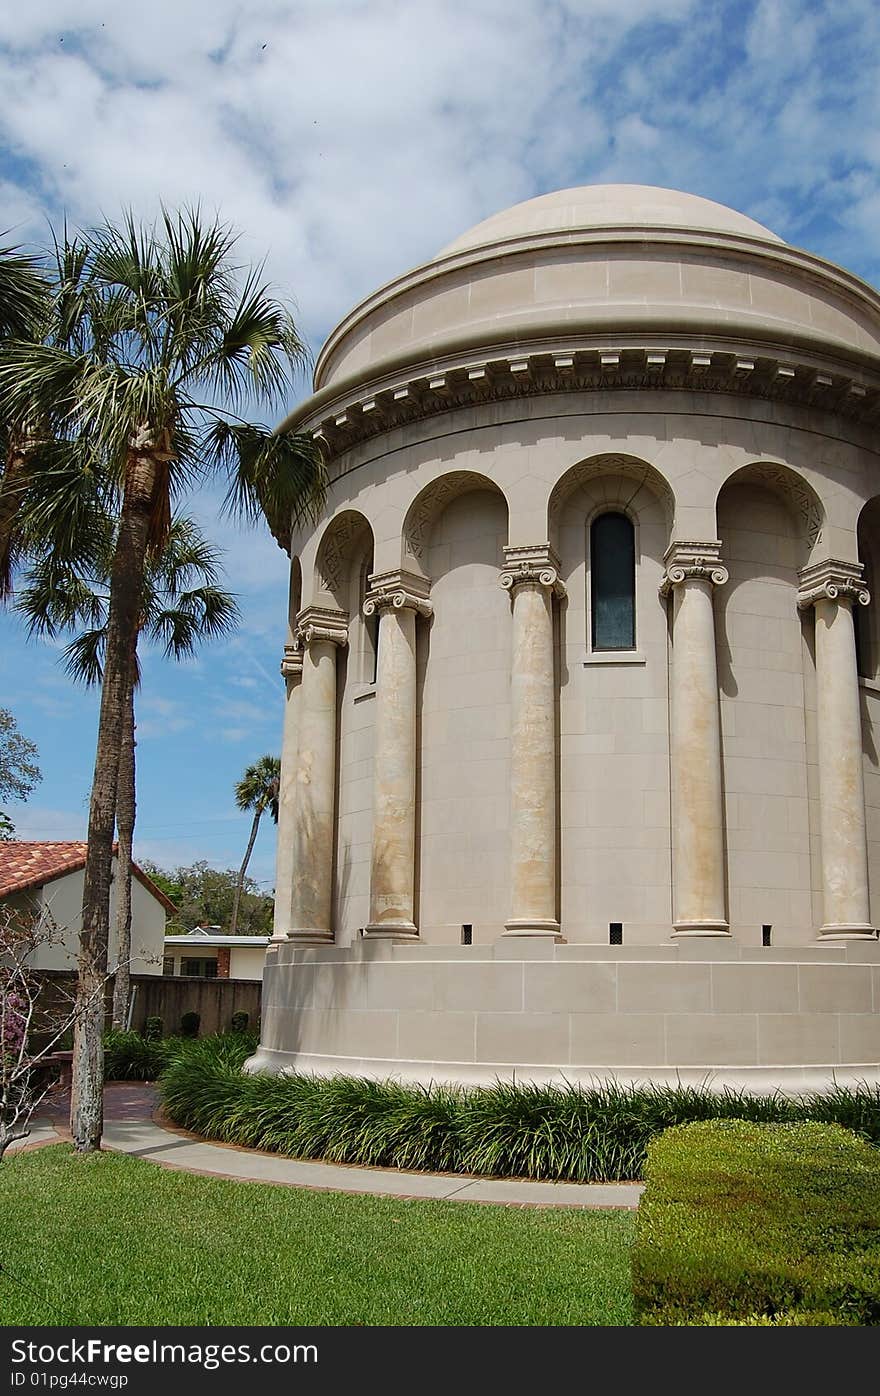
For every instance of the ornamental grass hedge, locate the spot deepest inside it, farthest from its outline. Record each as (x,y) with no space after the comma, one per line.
(572,1133)
(756,1225)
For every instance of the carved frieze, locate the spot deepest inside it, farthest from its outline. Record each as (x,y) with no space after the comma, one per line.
(569,368)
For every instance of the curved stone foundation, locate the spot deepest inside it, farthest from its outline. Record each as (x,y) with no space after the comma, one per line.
(707,1012)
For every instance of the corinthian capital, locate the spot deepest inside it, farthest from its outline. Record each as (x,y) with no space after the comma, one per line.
(832,580)
(320,623)
(685,561)
(398,590)
(531,562)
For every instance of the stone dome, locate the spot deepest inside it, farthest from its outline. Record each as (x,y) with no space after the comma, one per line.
(608,206)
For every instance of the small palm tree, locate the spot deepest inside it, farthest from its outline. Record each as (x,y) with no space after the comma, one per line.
(257,790)
(162,343)
(182,607)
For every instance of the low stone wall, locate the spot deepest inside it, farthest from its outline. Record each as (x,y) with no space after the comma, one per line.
(762,1018)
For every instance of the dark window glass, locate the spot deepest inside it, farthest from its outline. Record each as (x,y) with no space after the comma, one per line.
(613,582)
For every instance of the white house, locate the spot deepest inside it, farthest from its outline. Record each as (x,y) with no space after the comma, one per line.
(49,877)
(208,954)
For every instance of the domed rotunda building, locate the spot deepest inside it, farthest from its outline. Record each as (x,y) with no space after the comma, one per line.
(580,774)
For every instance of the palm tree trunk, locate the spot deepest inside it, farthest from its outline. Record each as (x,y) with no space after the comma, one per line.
(242,871)
(143,471)
(125,816)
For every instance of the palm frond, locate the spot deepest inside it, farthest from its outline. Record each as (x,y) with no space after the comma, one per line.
(84,657)
(281,475)
(260,349)
(258,788)
(24,292)
(204,613)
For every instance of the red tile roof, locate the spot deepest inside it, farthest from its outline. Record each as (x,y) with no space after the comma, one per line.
(26,866)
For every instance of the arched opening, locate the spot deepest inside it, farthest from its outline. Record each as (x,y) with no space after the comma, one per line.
(612,581)
(769,521)
(294,599)
(867,618)
(464,659)
(343,565)
(610,520)
(426,508)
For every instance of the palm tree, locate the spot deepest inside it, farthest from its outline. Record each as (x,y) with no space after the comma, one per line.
(182,607)
(257,790)
(167,332)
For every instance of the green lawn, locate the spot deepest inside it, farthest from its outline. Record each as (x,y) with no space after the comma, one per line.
(117,1240)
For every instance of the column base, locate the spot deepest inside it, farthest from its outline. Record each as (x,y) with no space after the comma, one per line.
(708,927)
(532,926)
(391,930)
(844,930)
(310,936)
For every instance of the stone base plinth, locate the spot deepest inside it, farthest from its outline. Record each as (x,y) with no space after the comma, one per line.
(786,1018)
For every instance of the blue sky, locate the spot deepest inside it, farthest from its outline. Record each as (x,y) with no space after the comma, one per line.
(351,139)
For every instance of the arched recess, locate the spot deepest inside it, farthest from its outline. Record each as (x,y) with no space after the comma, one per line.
(613,712)
(464,664)
(294,599)
(867,619)
(770,523)
(632,478)
(343,564)
(426,509)
(345,537)
(803,502)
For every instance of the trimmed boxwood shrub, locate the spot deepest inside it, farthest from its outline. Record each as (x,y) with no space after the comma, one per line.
(574,1133)
(759,1225)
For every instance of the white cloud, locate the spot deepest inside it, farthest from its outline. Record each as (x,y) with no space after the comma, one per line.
(38,822)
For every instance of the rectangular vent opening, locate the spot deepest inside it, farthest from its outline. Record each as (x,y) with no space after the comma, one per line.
(615,933)
(467,935)
(766,933)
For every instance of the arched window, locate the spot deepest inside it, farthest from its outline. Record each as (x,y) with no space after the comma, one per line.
(613,583)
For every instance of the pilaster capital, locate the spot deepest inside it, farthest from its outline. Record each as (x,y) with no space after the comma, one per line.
(832,580)
(321,623)
(685,560)
(292,662)
(398,590)
(531,562)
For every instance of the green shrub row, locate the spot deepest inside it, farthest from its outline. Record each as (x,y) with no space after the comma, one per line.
(580,1134)
(128,1056)
(756,1225)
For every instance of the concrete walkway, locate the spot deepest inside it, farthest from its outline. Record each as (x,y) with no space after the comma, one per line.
(131,1127)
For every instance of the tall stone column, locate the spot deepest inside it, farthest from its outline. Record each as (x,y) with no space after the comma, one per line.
(320,632)
(400,598)
(698,900)
(291,671)
(531,575)
(832,588)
